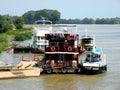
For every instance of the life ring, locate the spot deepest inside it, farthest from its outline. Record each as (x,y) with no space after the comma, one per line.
(53,48)
(69,48)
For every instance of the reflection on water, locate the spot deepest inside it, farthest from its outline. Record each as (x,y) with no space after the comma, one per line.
(72,81)
(62,82)
(107,37)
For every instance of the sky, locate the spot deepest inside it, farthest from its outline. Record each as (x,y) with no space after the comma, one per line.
(69,9)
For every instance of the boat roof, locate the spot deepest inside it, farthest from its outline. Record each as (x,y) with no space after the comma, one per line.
(59,32)
(43,22)
(94,51)
(64,25)
(87,37)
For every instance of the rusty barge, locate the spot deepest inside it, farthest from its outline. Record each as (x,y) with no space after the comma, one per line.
(61,52)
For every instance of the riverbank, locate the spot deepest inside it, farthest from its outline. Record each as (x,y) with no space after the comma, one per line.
(9,36)
(3,42)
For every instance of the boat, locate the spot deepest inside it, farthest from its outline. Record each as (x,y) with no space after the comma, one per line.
(41,27)
(62,51)
(92,59)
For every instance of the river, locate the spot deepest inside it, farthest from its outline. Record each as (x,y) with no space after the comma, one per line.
(107,38)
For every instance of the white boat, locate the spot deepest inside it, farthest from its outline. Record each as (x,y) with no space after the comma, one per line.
(41,27)
(92,59)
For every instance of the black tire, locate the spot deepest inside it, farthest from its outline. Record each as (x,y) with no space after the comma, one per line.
(105,68)
(64,70)
(81,70)
(76,71)
(100,70)
(49,70)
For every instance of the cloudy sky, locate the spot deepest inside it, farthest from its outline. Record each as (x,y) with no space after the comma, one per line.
(68,8)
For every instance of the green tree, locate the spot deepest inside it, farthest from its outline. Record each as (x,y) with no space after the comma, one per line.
(31,16)
(18,22)
(5,23)
(3,42)
(77,21)
(87,21)
(54,16)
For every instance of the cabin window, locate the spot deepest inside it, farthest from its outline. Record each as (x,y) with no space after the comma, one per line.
(89,48)
(92,58)
(38,38)
(87,41)
(88,58)
(43,38)
(96,58)
(42,47)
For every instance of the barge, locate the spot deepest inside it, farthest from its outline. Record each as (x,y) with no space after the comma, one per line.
(62,51)
(26,68)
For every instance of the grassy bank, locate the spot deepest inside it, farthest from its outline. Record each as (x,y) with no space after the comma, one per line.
(20,35)
(23,36)
(18,31)
(3,42)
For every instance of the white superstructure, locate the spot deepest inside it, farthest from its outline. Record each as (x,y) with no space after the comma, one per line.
(39,30)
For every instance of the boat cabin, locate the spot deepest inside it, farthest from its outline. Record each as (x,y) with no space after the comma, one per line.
(87,42)
(41,27)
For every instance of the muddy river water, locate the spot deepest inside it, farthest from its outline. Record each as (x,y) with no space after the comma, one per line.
(107,38)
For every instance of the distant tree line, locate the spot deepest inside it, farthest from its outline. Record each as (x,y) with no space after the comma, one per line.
(31,16)
(10,22)
(91,21)
(53,15)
